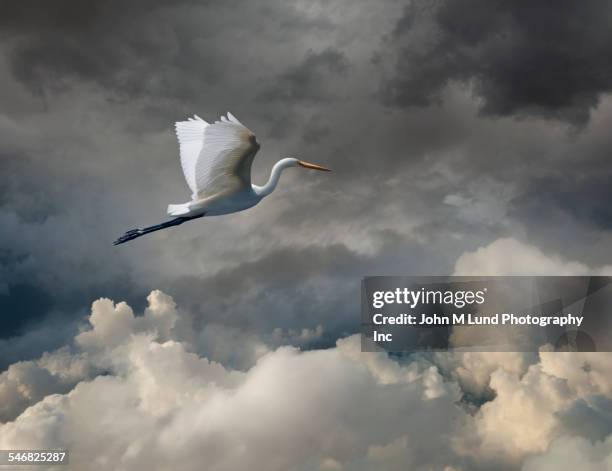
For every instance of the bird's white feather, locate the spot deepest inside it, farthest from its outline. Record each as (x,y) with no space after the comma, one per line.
(233,119)
(211,154)
(190,135)
(225,144)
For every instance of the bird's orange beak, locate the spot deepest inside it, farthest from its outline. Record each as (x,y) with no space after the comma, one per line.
(312,166)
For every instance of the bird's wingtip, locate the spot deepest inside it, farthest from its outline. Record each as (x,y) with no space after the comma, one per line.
(233,118)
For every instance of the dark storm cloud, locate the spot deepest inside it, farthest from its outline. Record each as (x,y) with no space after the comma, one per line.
(306,81)
(538,58)
(21,305)
(293,288)
(583,198)
(593,419)
(130,46)
(62,14)
(167,49)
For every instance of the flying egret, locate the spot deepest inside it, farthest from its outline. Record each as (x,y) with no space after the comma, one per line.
(216,160)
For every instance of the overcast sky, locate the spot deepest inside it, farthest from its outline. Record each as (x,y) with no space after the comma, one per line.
(459,133)
(448,125)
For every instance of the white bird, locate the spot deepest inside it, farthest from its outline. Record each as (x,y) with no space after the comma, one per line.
(216,160)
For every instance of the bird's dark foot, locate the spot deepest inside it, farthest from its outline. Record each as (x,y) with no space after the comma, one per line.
(134,233)
(129,235)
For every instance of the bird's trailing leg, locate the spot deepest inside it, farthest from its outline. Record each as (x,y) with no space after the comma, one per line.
(135,233)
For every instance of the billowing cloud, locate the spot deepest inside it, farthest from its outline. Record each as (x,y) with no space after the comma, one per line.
(568,453)
(130,394)
(509,256)
(160,402)
(521,58)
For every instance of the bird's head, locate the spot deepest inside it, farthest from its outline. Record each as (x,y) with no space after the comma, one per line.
(303,164)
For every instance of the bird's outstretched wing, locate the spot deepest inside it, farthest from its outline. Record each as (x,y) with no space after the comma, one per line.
(190,135)
(216,157)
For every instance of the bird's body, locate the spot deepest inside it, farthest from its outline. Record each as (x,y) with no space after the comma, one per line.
(218,204)
(216,160)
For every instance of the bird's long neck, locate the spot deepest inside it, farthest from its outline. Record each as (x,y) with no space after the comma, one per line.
(274,177)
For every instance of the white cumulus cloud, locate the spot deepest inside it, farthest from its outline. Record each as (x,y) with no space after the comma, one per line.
(130,393)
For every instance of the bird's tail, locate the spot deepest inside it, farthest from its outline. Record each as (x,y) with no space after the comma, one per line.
(178,209)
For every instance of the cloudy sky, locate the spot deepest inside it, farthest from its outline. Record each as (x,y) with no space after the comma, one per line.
(466,136)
